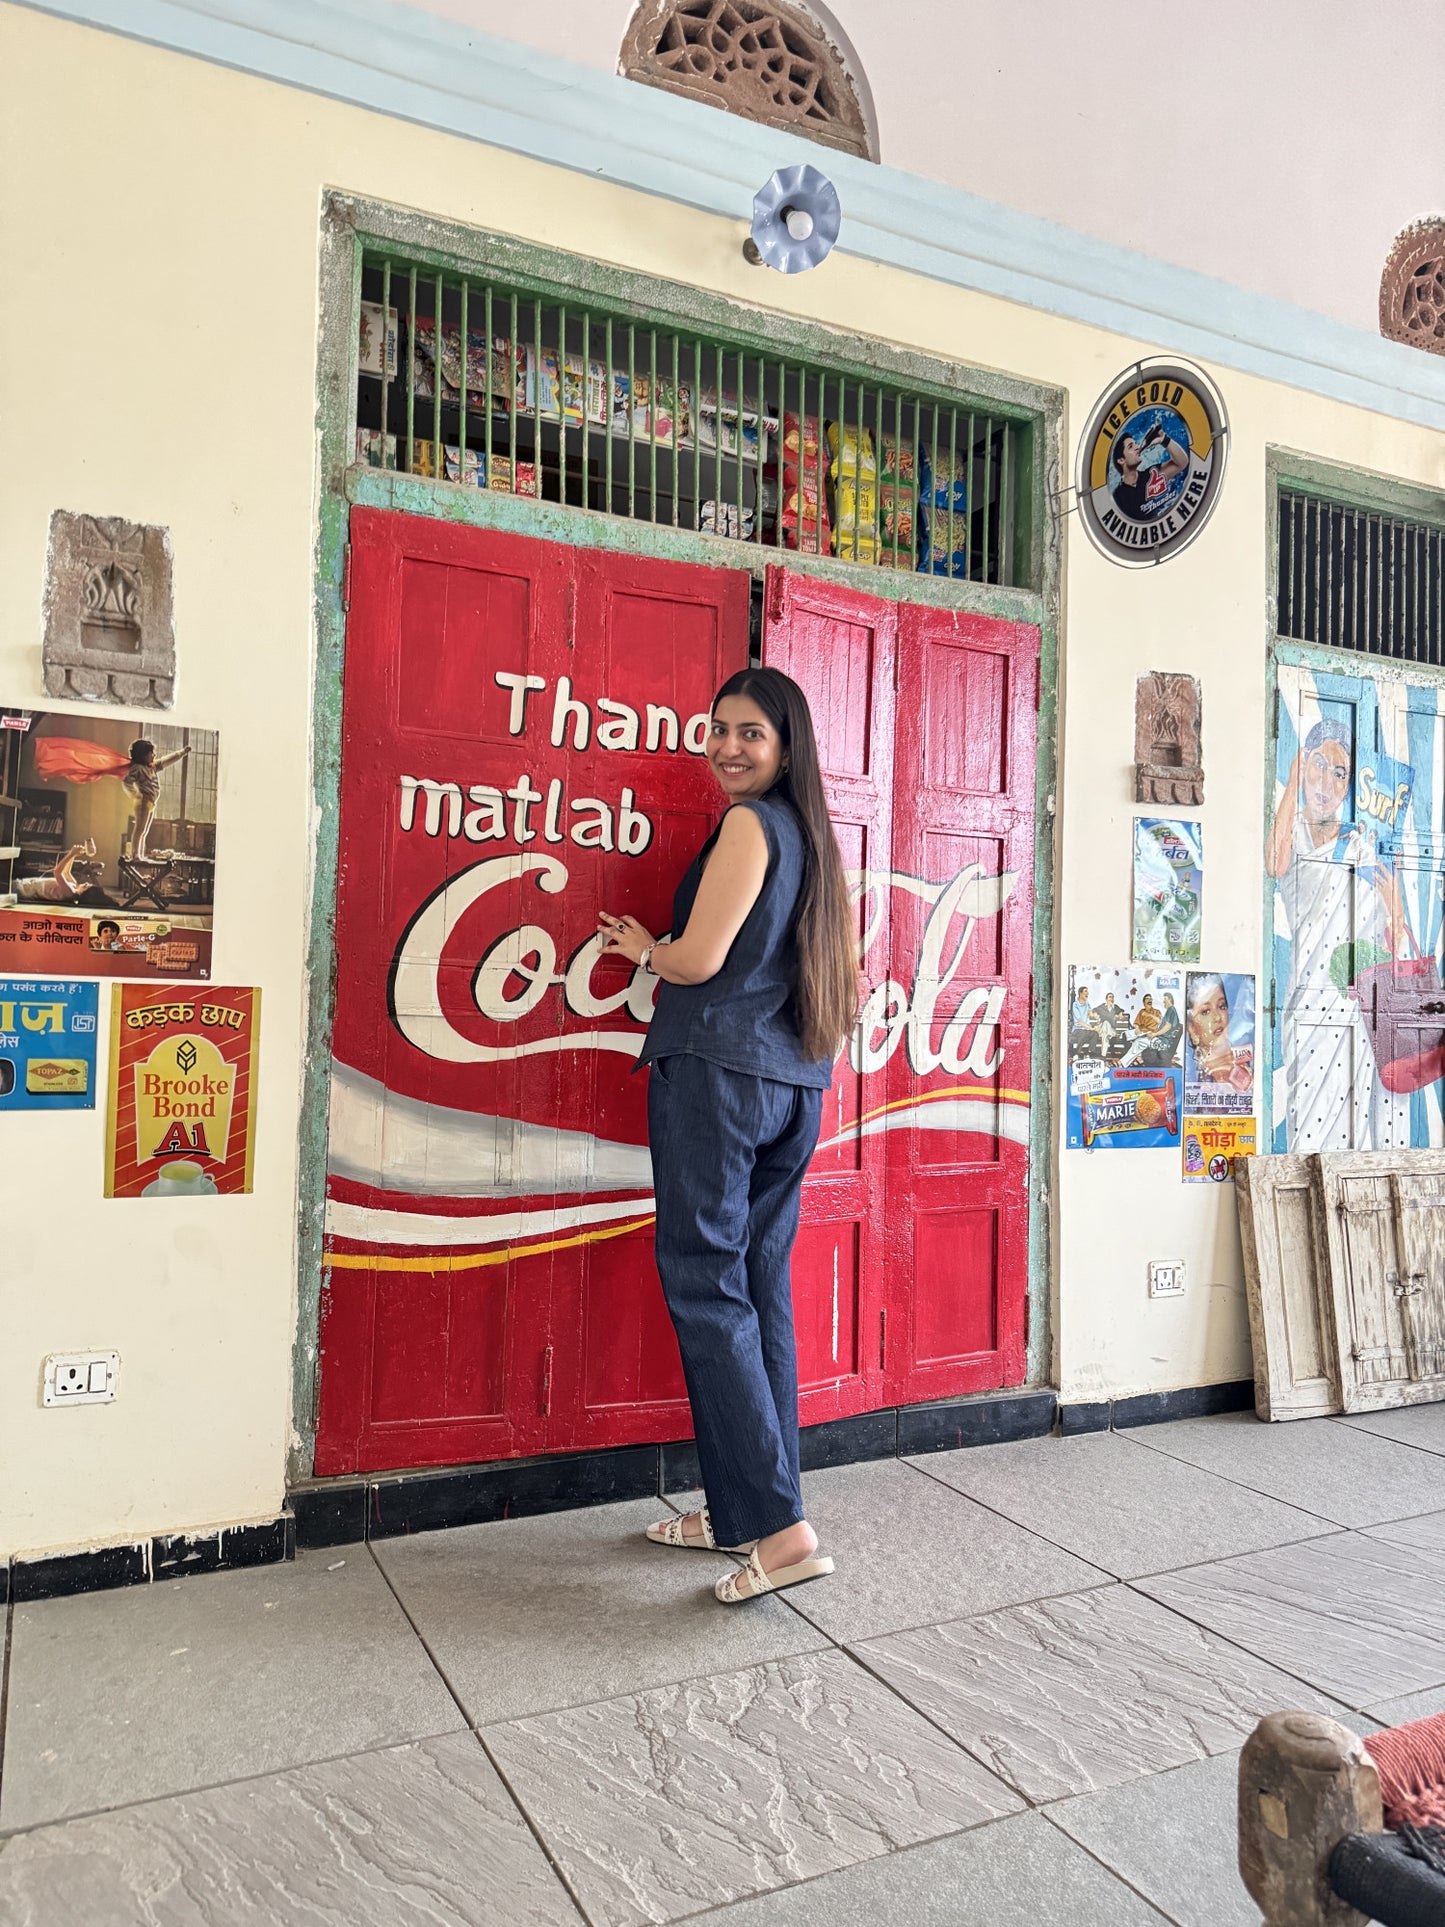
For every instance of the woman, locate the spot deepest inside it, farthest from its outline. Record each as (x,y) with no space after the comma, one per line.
(759,991)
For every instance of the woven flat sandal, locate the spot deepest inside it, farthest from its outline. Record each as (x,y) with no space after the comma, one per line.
(669,1532)
(730,1591)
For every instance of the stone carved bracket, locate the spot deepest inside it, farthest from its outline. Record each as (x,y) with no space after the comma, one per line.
(1168,767)
(109,627)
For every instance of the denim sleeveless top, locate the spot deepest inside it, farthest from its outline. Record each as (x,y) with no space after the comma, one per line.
(744,1017)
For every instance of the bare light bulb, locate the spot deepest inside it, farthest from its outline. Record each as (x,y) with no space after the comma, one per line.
(799,223)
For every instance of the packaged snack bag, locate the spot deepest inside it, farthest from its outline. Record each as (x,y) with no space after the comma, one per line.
(377,345)
(896,463)
(375,449)
(895,519)
(851,452)
(724,518)
(855,545)
(801,444)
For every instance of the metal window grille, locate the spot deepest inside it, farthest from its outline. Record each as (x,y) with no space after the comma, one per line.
(185,811)
(605,412)
(1354,579)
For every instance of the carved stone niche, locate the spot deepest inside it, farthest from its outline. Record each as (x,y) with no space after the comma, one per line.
(109,629)
(1167,765)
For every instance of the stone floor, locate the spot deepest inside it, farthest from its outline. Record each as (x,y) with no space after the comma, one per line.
(1018,1701)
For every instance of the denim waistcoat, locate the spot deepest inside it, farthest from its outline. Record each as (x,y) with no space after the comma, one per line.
(744,1018)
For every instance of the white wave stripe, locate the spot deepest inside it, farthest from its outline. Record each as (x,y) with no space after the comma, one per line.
(370,1224)
(367,1224)
(1009,1119)
(395,1143)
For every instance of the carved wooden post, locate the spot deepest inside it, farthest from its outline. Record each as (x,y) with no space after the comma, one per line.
(1304,1783)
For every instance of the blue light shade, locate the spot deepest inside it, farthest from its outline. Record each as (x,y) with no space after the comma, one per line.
(804,190)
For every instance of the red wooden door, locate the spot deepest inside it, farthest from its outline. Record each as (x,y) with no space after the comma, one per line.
(840,645)
(490,1289)
(956,1082)
(664,636)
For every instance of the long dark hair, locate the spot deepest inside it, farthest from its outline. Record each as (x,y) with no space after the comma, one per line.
(827,994)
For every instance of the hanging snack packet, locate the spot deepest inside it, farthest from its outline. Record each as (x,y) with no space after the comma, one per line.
(801,445)
(896,463)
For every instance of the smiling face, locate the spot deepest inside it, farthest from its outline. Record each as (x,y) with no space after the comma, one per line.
(744,750)
(1209,1021)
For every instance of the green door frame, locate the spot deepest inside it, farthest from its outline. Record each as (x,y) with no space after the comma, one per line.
(1299,474)
(349,227)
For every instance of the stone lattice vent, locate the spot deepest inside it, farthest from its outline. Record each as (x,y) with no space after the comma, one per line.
(1412,288)
(769,63)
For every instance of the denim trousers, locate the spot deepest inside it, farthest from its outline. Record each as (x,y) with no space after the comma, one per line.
(729,1152)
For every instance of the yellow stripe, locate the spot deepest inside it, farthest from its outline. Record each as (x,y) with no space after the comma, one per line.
(950,1090)
(363,1261)
(473,1261)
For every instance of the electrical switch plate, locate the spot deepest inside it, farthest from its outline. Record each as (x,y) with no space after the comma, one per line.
(81,1378)
(1166,1277)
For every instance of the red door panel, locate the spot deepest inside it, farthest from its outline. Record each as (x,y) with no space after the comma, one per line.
(658,638)
(839,646)
(961,939)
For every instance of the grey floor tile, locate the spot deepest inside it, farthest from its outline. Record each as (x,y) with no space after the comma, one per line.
(1072,1695)
(420,1833)
(1422,1426)
(1120,1505)
(1426,1534)
(123,1696)
(1411,1706)
(911,1552)
(1174,1837)
(1360,1618)
(664,1803)
(1349,1477)
(1012,1873)
(529,1615)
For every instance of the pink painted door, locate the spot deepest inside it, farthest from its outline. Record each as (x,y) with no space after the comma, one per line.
(961,944)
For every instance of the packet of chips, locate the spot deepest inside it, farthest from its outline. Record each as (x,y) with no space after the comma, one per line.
(1148,1107)
(896,463)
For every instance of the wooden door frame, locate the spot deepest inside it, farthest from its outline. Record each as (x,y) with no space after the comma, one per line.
(348,225)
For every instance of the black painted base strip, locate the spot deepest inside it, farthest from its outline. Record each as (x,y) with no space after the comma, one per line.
(171,1556)
(1158,1408)
(343,1512)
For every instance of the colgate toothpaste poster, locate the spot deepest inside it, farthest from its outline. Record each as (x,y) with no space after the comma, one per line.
(1126,1081)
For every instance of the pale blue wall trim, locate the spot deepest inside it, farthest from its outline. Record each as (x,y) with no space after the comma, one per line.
(401,61)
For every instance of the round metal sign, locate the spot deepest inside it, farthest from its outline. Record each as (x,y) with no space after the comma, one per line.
(1151,462)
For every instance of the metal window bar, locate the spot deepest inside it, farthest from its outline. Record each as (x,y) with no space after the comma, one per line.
(543,400)
(1361,580)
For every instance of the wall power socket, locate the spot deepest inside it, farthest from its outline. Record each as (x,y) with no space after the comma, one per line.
(81,1378)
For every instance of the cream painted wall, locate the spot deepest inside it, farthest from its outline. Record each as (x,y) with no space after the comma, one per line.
(1278,146)
(159,227)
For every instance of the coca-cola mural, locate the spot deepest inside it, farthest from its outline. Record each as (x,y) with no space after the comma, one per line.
(524,732)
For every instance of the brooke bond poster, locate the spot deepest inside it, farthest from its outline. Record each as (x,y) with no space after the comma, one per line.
(181,1109)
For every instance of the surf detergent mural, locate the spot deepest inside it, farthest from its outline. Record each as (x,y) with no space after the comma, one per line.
(1356,856)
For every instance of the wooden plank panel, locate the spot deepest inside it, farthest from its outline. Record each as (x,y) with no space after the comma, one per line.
(1382,1227)
(1291,1310)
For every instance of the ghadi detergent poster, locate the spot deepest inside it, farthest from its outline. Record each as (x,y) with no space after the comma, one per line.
(107,846)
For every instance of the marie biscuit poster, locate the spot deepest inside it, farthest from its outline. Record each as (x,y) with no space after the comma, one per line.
(107,846)
(181,1105)
(1125,1032)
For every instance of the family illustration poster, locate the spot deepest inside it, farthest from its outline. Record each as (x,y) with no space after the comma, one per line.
(107,846)
(1355,855)
(1126,1029)
(1168,890)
